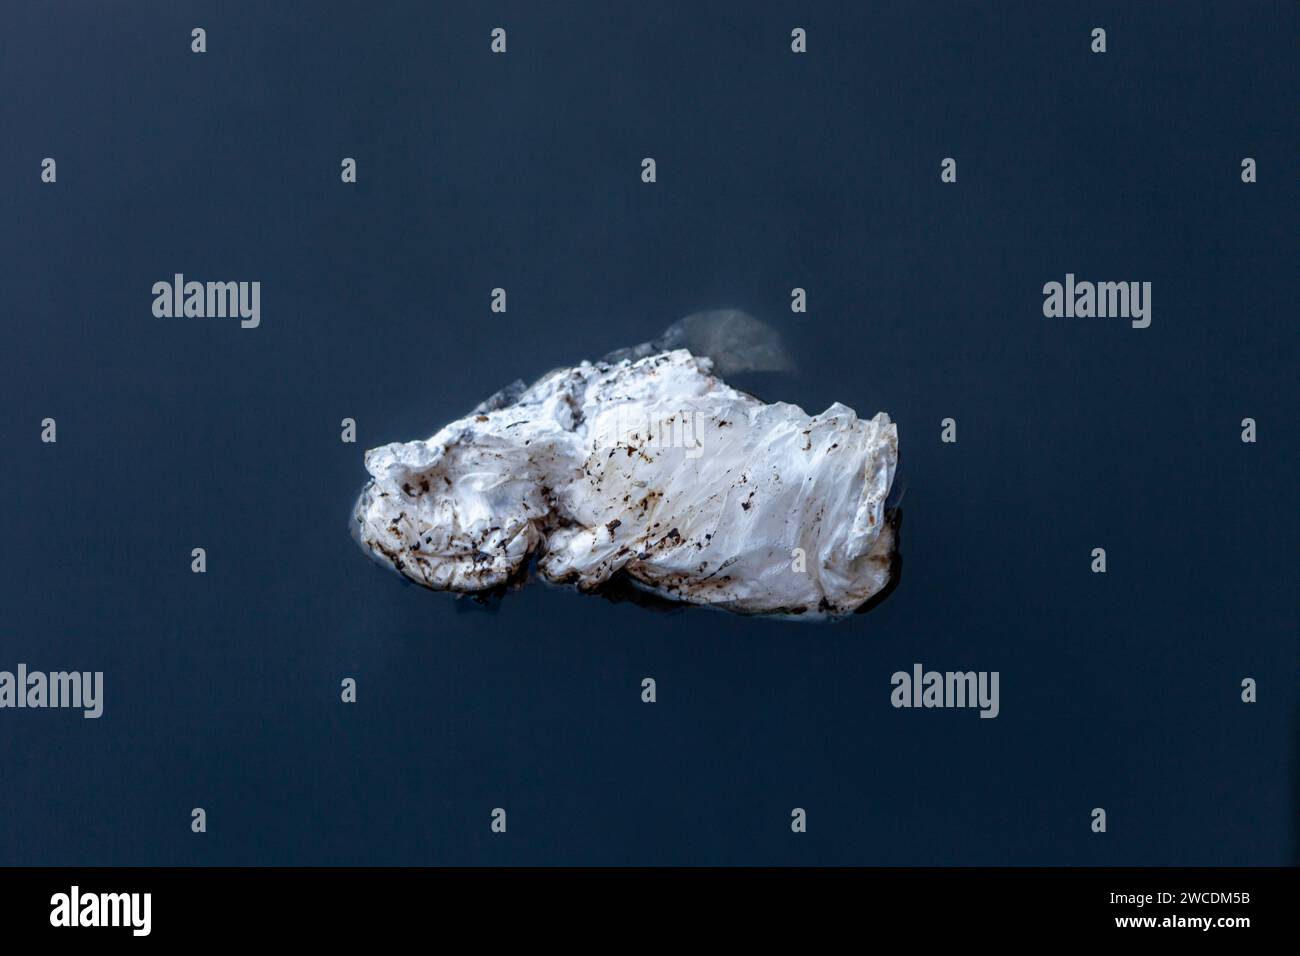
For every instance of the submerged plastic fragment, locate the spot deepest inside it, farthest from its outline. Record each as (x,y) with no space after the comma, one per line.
(734,341)
(649,467)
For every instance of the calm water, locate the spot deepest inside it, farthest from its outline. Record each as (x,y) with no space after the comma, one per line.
(475,171)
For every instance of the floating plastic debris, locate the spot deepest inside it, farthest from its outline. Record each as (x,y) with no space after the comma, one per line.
(647,466)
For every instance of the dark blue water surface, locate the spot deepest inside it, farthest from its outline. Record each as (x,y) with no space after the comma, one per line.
(775,170)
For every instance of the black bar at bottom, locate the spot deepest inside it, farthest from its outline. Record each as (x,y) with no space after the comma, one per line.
(341,904)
